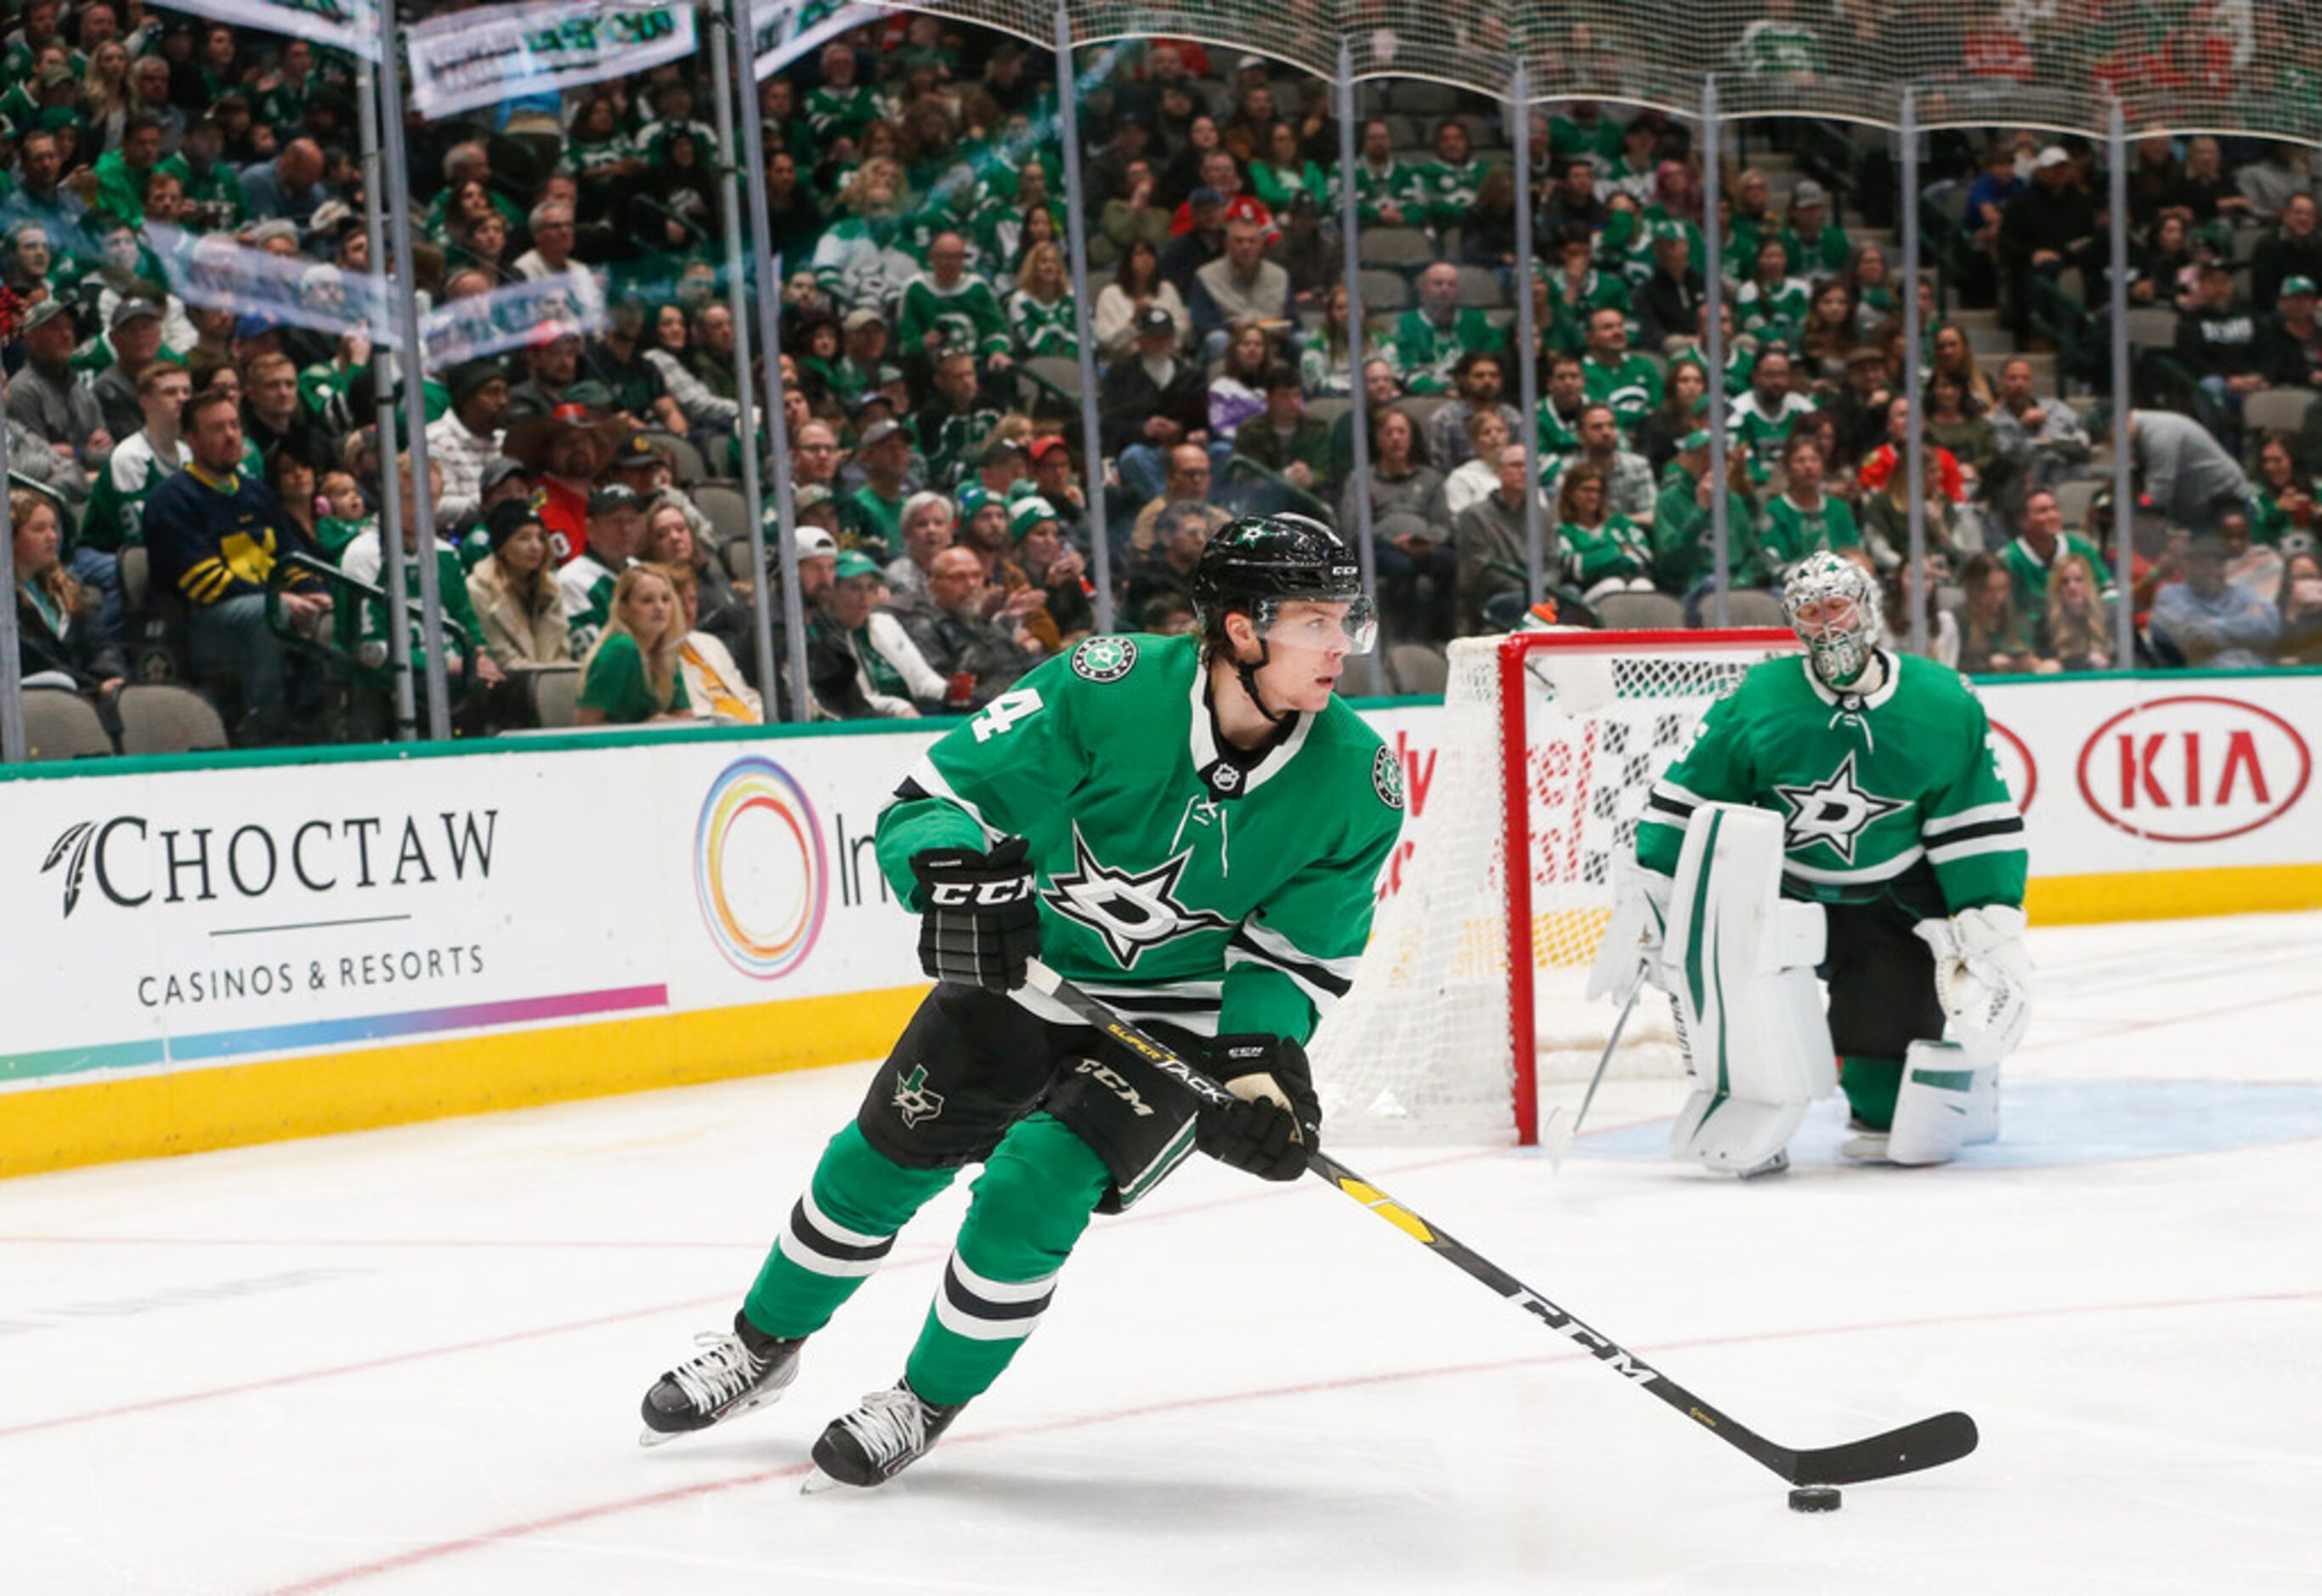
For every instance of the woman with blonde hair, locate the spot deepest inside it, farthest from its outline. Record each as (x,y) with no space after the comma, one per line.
(1040,312)
(1954,357)
(2076,632)
(634,674)
(105,96)
(861,260)
(713,684)
(58,640)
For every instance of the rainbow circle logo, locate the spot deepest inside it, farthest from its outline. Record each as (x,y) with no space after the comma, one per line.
(759,870)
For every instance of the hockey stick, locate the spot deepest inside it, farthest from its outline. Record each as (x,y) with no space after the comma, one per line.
(1928,1444)
(1555,1136)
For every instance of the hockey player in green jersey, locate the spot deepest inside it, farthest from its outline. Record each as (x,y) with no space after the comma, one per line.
(1865,783)
(1191,828)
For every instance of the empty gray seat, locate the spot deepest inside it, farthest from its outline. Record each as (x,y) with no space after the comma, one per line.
(159,718)
(59,724)
(555,694)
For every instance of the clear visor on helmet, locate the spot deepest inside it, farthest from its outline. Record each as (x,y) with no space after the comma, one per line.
(1319,626)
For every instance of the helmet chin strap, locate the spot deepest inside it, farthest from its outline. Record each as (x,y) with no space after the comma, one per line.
(1248,671)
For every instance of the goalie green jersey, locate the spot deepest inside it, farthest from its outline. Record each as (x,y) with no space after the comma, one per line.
(1895,794)
(1180,880)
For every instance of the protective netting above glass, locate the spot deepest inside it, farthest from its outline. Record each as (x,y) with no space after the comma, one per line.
(2180,66)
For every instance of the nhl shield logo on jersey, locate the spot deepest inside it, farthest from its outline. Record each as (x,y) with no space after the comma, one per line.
(1834,811)
(914,1102)
(1387,778)
(1104,659)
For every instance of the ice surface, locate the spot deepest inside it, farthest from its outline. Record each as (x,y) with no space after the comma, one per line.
(410,1360)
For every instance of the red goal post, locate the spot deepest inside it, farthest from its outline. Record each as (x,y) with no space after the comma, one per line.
(1470,996)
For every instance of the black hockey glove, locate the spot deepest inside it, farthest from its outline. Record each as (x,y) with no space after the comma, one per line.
(979,918)
(1257,1132)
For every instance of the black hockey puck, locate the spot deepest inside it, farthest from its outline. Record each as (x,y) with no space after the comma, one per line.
(1815,1499)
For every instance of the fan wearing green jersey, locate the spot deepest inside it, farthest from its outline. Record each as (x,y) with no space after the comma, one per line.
(1190,827)
(1895,819)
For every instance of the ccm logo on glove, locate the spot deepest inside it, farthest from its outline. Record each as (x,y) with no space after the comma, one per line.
(984,894)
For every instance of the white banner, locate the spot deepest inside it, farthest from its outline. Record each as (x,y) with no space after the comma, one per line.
(174,920)
(781,31)
(300,909)
(212,270)
(467,59)
(351,25)
(510,318)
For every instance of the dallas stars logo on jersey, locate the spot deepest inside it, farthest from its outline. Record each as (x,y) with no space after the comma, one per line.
(1833,811)
(1131,910)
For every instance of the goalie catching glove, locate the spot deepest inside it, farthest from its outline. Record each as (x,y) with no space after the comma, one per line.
(1983,977)
(979,914)
(1275,1119)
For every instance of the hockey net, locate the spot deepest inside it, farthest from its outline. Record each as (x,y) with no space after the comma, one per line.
(1470,994)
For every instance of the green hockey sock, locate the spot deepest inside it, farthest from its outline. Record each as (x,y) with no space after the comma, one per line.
(840,1231)
(1031,1204)
(1871,1086)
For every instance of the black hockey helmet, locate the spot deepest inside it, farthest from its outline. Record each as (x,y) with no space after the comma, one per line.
(1254,563)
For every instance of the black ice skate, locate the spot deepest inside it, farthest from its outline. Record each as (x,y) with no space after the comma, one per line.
(879,1440)
(747,1369)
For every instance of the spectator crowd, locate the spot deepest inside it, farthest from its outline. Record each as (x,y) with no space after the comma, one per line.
(209,478)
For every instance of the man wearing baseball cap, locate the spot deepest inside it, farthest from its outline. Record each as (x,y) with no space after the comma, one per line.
(617,530)
(884,451)
(2293,339)
(890,675)
(1052,475)
(134,336)
(2217,343)
(47,397)
(2046,229)
(1818,246)
(1150,404)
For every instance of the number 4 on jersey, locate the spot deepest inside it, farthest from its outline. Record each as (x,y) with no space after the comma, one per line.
(1004,712)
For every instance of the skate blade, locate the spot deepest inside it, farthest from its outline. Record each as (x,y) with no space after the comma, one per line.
(653,1437)
(817,1483)
(1865,1149)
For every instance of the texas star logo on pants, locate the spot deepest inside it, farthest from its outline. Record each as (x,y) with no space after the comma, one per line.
(914,1102)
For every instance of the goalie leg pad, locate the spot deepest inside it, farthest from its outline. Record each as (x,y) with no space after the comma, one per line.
(1947,1102)
(1738,962)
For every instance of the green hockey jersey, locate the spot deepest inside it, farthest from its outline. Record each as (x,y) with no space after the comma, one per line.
(1892,794)
(966,315)
(1180,880)
(1793,531)
(1632,388)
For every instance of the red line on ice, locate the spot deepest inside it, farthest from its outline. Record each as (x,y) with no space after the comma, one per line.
(440,1549)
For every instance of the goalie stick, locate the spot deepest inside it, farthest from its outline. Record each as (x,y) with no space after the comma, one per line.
(1556,1136)
(1926,1445)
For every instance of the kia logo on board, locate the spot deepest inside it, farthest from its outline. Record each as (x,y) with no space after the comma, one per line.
(2196,769)
(2018,768)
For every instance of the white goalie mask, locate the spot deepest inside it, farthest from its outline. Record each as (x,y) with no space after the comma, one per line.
(1833,605)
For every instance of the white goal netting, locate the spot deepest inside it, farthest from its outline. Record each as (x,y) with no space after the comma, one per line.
(1427,1045)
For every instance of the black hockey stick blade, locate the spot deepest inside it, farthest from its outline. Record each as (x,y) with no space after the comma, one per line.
(1929,1443)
